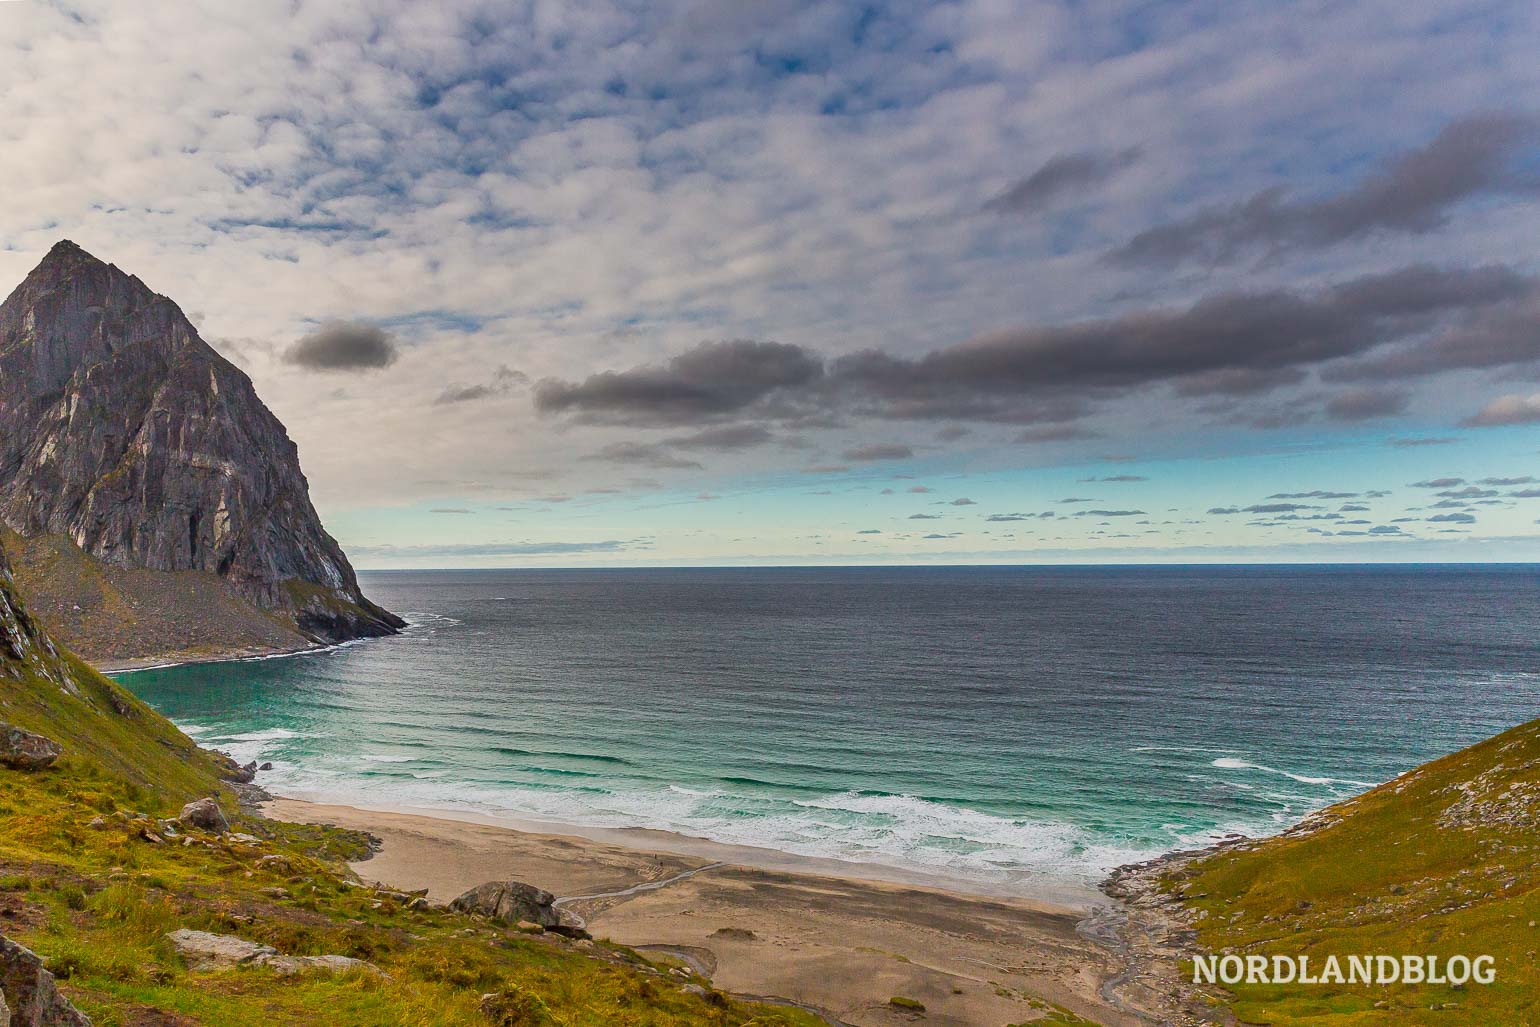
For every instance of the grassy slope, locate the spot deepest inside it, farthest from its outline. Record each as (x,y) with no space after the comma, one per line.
(1442,861)
(97,902)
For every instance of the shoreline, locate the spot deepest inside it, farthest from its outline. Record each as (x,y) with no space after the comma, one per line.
(808,931)
(1061,894)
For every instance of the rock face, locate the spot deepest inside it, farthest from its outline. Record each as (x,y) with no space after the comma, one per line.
(123,431)
(30,992)
(24,647)
(21,749)
(510,902)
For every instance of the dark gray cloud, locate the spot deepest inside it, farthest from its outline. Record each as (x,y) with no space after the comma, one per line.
(1413,194)
(1507,410)
(878,451)
(1063,175)
(1452,518)
(1503,482)
(963,501)
(1109,513)
(1524,494)
(1366,404)
(504,381)
(925,517)
(730,437)
(1005,376)
(1048,378)
(1055,433)
(1224,509)
(1438,483)
(344,346)
(714,379)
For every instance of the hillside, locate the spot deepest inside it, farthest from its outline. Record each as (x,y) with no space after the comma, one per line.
(124,435)
(1442,861)
(98,879)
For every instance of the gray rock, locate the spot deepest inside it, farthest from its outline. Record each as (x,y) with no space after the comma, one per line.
(510,902)
(205,815)
(21,749)
(30,992)
(205,951)
(123,430)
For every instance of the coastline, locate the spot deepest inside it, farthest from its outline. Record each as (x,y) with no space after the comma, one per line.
(819,933)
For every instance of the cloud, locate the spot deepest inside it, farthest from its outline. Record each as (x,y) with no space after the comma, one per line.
(870,531)
(1273,508)
(920,489)
(1065,174)
(486,549)
(1366,404)
(344,346)
(1507,410)
(1114,478)
(730,437)
(1108,513)
(1414,443)
(1503,482)
(1314,494)
(1438,483)
(924,517)
(504,381)
(644,454)
(714,379)
(1471,156)
(878,451)
(963,501)
(1224,509)
(449,510)
(1452,518)
(1021,374)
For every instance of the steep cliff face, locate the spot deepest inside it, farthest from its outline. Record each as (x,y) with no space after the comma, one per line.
(123,431)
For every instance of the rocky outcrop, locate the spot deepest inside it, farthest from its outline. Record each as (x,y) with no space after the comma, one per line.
(24,647)
(30,992)
(510,902)
(205,951)
(123,431)
(21,749)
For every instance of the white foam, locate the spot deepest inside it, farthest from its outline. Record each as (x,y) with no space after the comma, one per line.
(1231,763)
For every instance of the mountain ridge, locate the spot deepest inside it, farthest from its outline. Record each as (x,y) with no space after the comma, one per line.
(124,432)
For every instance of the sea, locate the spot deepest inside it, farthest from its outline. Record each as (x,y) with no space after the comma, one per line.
(1009,729)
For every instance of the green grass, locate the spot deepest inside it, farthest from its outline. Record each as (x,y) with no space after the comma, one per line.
(1442,861)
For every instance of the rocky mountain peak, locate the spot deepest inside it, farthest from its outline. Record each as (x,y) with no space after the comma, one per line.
(124,432)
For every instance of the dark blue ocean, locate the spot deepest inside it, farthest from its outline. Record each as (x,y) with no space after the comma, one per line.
(1012,727)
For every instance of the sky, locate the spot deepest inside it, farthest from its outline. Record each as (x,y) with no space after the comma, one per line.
(784,282)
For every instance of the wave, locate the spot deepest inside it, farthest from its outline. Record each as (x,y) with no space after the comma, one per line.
(1233,763)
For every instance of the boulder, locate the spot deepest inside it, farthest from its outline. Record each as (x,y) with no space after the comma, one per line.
(21,749)
(510,902)
(30,993)
(205,815)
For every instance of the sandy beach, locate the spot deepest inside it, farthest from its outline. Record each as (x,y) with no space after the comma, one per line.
(838,943)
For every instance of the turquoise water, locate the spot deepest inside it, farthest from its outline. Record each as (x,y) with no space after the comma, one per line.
(1003,726)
